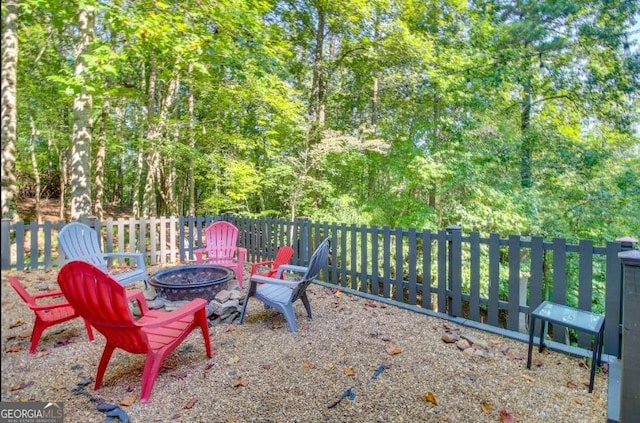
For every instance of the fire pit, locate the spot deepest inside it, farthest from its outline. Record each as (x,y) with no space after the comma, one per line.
(189,282)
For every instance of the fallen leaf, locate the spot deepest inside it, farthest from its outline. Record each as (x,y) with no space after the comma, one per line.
(233,360)
(190,403)
(266,366)
(308,365)
(430,397)
(506,417)
(527,377)
(348,371)
(393,350)
(20,386)
(129,400)
(17,323)
(338,294)
(329,366)
(181,375)
(209,365)
(239,381)
(230,328)
(537,362)
(486,407)
(580,400)
(13,348)
(571,384)
(42,353)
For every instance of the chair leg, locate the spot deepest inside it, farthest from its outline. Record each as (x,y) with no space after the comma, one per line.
(201,318)
(306,303)
(290,316)
(149,375)
(104,360)
(38,327)
(89,330)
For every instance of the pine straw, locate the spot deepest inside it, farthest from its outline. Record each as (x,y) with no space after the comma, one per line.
(261,372)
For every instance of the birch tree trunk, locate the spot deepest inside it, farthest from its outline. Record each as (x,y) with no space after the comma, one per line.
(9,111)
(316,108)
(81,138)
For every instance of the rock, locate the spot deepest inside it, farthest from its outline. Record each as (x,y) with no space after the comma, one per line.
(150,293)
(468,351)
(223,296)
(463,344)
(475,341)
(155,304)
(450,338)
(236,295)
(480,352)
(217,308)
(173,305)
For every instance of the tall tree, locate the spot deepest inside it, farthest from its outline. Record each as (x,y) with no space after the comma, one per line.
(82,122)
(9,106)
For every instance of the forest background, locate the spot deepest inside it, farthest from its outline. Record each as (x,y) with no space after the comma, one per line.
(516,117)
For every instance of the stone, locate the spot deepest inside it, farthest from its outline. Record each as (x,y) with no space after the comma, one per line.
(475,341)
(174,305)
(223,296)
(154,304)
(463,344)
(150,293)
(236,295)
(219,309)
(468,352)
(450,338)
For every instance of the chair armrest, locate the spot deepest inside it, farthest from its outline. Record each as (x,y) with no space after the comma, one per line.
(199,253)
(138,296)
(51,306)
(265,263)
(138,256)
(291,268)
(274,281)
(49,294)
(242,254)
(188,309)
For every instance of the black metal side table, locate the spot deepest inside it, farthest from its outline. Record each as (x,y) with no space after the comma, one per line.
(581,320)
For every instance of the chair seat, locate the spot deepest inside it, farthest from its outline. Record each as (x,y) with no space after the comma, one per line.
(273,294)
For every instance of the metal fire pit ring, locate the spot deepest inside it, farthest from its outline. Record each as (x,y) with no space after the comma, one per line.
(192,281)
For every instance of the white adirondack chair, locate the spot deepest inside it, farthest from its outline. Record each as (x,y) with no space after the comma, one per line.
(78,241)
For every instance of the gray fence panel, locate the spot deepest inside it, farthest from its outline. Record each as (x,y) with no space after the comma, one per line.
(412,262)
(494,280)
(426,269)
(474,276)
(513,307)
(585,284)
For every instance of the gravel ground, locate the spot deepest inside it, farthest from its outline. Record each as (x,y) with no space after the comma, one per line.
(395,361)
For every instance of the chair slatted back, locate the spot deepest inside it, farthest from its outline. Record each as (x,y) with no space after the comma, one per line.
(316,263)
(221,240)
(79,240)
(103,303)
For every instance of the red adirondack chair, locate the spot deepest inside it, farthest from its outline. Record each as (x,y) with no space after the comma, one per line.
(47,315)
(221,247)
(284,254)
(104,303)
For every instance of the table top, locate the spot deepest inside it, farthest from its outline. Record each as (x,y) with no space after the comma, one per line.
(570,317)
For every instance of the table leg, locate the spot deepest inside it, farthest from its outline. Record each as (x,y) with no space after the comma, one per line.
(531,329)
(542,324)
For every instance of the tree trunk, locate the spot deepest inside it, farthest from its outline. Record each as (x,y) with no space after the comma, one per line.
(154,133)
(98,181)
(526,145)
(9,108)
(192,147)
(81,138)
(118,189)
(34,163)
(315,104)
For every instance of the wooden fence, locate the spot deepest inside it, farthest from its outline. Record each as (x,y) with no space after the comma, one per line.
(490,280)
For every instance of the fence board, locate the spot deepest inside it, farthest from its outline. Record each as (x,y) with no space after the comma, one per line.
(386,254)
(494,280)
(559,284)
(442,272)
(375,276)
(399,274)
(412,260)
(513,313)
(364,263)
(426,269)
(474,276)
(455,272)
